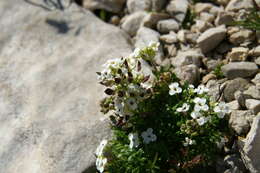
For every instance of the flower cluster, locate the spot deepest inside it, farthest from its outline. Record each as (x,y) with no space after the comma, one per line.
(159,123)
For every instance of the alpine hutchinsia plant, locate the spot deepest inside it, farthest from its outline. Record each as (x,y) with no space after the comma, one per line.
(159,123)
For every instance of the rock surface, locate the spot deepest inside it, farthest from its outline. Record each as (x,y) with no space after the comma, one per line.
(250,149)
(110,5)
(240,121)
(178,9)
(239,69)
(211,38)
(49,93)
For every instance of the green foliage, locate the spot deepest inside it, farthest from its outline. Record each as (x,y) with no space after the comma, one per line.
(189,19)
(160,125)
(218,72)
(251,21)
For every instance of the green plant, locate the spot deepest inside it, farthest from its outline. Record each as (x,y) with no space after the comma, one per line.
(189,19)
(160,124)
(218,72)
(251,21)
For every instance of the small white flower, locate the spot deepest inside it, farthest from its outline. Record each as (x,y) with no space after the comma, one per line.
(113,63)
(201,89)
(154,45)
(119,106)
(185,107)
(147,85)
(148,136)
(174,88)
(131,103)
(134,141)
(191,86)
(195,114)
(202,120)
(100,164)
(188,141)
(100,148)
(221,109)
(200,104)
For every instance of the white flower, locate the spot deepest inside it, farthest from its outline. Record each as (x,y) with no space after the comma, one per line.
(200,104)
(201,89)
(147,85)
(131,103)
(191,86)
(154,45)
(119,106)
(148,136)
(221,109)
(188,142)
(113,63)
(174,88)
(185,107)
(202,120)
(105,75)
(195,114)
(135,54)
(134,141)
(100,164)
(100,148)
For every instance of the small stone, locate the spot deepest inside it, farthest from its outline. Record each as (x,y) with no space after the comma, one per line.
(172,50)
(234,85)
(249,151)
(153,18)
(181,35)
(192,37)
(240,121)
(114,6)
(255,51)
(202,7)
(115,20)
(256,80)
(257,61)
(187,57)
(189,73)
(224,18)
(233,105)
(253,92)
(201,26)
(239,69)
(169,38)
(216,89)
(238,54)
(165,26)
(212,64)
(138,5)
(254,105)
(178,9)
(236,5)
(215,10)
(207,17)
(158,5)
(241,98)
(132,22)
(242,36)
(208,77)
(210,39)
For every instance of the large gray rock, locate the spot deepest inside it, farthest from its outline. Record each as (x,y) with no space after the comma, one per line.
(239,69)
(114,6)
(178,9)
(210,39)
(250,149)
(49,93)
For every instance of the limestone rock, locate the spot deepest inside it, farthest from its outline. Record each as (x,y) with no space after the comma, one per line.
(257,61)
(238,54)
(114,6)
(234,85)
(255,51)
(254,105)
(187,57)
(165,26)
(233,105)
(253,92)
(256,80)
(239,69)
(236,5)
(210,39)
(178,9)
(224,18)
(242,36)
(250,150)
(139,5)
(169,38)
(133,22)
(240,121)
(189,73)
(153,18)
(207,17)
(49,93)
(202,7)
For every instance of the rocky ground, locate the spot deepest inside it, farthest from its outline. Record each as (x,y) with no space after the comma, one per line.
(49,53)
